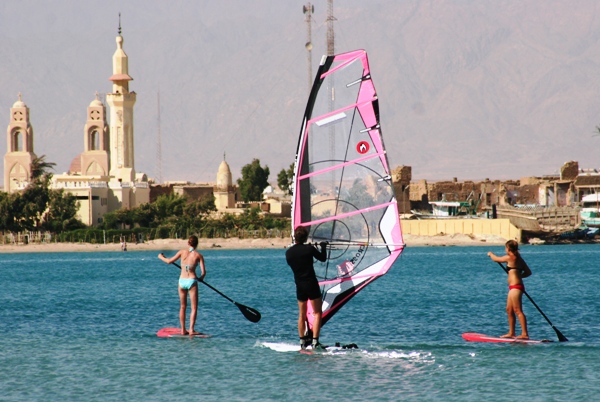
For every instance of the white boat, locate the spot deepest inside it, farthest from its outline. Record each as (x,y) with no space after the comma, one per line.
(590,210)
(448,210)
(443,209)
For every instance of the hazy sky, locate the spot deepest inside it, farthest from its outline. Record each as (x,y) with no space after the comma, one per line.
(467,89)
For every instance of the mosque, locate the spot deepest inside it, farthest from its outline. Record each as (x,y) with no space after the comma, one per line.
(103,176)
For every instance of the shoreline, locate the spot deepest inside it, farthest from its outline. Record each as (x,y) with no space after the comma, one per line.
(237,244)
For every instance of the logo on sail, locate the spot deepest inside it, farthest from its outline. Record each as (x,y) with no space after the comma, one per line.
(362,147)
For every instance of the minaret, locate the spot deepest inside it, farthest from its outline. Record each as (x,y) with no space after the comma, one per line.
(19,151)
(224,194)
(121,101)
(95,157)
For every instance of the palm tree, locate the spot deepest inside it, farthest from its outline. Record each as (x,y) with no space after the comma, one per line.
(39,168)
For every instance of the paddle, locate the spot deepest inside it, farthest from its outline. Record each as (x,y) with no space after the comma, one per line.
(561,337)
(250,313)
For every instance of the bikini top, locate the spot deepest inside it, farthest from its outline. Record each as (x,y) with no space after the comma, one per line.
(187,267)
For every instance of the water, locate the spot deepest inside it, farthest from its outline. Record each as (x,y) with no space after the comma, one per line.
(81,326)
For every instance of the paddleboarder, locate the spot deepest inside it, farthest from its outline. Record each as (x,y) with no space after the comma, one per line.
(517,270)
(300,258)
(188,281)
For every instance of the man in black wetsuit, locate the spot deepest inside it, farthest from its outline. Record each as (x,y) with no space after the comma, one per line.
(300,258)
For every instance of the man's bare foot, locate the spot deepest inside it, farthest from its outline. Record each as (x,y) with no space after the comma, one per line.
(184,332)
(508,336)
(195,333)
(523,337)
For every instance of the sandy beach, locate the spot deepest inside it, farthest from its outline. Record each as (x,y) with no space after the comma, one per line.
(235,243)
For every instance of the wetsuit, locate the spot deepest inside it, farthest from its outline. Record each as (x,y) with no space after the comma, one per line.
(300,258)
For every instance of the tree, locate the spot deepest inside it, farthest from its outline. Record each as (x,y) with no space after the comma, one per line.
(38,206)
(39,169)
(10,208)
(254,180)
(118,219)
(36,196)
(169,205)
(34,203)
(201,207)
(62,212)
(285,179)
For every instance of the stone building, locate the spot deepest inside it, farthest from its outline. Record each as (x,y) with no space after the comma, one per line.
(562,190)
(226,194)
(19,154)
(103,176)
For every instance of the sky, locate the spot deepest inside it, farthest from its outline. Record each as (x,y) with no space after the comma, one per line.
(467,89)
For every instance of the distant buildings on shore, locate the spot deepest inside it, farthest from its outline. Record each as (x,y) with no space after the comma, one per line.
(104,179)
(103,176)
(562,190)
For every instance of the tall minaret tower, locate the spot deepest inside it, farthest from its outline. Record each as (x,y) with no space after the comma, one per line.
(121,101)
(19,152)
(223,192)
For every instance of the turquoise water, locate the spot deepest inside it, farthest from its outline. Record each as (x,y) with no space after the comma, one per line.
(81,326)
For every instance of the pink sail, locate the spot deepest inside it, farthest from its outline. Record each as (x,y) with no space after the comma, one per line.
(343,189)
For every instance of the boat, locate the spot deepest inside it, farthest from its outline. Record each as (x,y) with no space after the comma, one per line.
(581,233)
(444,209)
(447,209)
(342,186)
(590,210)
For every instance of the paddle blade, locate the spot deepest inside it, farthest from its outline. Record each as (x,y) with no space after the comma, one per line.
(561,337)
(250,313)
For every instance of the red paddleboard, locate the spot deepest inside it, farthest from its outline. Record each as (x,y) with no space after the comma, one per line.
(176,333)
(475,337)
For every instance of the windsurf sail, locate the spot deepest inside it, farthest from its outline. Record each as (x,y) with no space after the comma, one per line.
(343,191)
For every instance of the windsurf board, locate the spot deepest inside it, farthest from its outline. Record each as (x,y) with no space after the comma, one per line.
(287,347)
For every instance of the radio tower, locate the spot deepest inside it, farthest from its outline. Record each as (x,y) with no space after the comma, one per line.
(330,36)
(331,90)
(158,143)
(308,10)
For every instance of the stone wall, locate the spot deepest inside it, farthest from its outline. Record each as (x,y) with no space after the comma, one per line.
(433,227)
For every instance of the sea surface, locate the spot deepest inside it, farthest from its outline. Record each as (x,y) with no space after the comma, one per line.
(82,327)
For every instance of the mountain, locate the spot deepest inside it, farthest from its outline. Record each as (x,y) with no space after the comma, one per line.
(467,89)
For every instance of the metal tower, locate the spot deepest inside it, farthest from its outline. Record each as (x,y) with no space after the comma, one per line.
(158,142)
(330,35)
(308,10)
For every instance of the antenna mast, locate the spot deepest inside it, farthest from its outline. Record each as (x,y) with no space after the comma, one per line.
(158,142)
(309,10)
(331,90)
(330,35)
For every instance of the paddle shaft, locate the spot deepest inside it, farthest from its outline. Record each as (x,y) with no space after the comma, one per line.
(561,337)
(251,314)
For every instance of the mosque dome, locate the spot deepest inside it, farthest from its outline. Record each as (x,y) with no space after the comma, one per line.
(19,103)
(224,176)
(96,102)
(75,167)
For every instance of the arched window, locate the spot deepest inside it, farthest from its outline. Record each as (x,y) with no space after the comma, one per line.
(17,143)
(94,140)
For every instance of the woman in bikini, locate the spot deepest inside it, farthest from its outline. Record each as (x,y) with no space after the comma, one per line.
(517,270)
(188,281)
